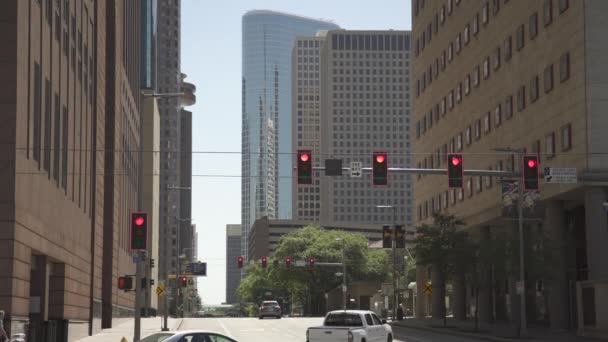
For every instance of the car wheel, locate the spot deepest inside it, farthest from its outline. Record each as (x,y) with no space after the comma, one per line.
(389,338)
(278,317)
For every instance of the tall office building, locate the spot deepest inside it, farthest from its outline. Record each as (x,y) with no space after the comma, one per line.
(525,75)
(70,131)
(266,137)
(363,96)
(233,251)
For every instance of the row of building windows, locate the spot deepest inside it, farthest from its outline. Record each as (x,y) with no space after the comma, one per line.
(368,80)
(377,42)
(308,52)
(310,44)
(464,38)
(367,72)
(439,110)
(348,55)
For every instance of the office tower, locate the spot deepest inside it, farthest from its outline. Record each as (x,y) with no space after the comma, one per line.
(524,75)
(233,251)
(266,138)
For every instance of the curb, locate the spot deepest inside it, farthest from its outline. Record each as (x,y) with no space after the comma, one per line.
(460,333)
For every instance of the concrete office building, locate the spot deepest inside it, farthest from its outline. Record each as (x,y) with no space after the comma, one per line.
(364,108)
(529,75)
(71,99)
(233,251)
(266,139)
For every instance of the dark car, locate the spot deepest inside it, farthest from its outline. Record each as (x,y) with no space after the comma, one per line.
(270,308)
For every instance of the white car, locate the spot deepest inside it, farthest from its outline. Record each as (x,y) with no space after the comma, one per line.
(187,336)
(351,326)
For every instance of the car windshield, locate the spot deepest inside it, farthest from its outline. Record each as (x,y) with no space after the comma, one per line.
(343,320)
(157,337)
(270,304)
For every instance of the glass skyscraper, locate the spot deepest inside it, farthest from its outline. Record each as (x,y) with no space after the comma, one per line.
(268,39)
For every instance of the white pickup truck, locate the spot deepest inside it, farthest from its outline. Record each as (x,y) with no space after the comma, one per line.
(351,326)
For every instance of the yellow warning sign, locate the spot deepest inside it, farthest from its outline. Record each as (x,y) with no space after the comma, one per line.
(124,339)
(160,290)
(428,288)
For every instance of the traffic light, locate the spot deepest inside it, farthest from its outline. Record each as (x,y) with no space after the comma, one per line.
(304,166)
(139,231)
(531,173)
(380,168)
(387,237)
(151,263)
(288,262)
(151,282)
(311,262)
(399,237)
(455,171)
(125,283)
(183,282)
(239,261)
(264,262)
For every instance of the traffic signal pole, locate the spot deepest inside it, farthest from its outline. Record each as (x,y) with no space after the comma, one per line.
(138,301)
(520,221)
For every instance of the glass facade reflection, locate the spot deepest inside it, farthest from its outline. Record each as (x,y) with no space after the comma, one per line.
(148,44)
(268,39)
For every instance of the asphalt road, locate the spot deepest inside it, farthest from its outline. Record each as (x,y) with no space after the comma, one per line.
(292,330)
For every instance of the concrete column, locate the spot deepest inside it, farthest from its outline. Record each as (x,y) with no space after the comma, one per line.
(421,296)
(438,297)
(596,222)
(485,288)
(555,231)
(460,294)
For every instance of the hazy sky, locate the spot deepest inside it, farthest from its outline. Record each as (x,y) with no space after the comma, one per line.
(211,57)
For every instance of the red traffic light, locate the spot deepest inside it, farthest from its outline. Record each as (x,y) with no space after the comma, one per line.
(239,261)
(455,160)
(380,158)
(139,221)
(531,163)
(311,261)
(288,262)
(264,262)
(304,157)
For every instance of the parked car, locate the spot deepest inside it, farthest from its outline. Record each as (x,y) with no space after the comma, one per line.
(352,326)
(270,308)
(189,336)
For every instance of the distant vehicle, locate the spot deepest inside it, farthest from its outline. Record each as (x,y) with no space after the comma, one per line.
(351,326)
(270,308)
(190,336)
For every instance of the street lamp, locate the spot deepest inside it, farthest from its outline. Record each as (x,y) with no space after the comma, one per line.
(394,247)
(343,272)
(520,220)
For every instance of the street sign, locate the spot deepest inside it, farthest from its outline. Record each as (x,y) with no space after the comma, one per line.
(428,288)
(355,169)
(172,276)
(300,263)
(136,259)
(160,290)
(560,175)
(196,269)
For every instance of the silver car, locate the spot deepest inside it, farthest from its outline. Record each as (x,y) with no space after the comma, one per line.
(270,308)
(187,336)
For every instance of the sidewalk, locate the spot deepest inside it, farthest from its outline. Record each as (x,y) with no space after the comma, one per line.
(491,332)
(148,326)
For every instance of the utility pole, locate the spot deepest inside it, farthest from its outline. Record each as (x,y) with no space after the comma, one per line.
(394,266)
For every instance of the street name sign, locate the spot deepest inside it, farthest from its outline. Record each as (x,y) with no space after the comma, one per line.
(560,175)
(355,169)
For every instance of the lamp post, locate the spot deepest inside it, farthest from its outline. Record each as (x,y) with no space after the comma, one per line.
(520,221)
(394,247)
(343,272)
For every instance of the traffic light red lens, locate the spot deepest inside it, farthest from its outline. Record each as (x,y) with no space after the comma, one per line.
(139,220)
(380,159)
(304,157)
(455,161)
(531,163)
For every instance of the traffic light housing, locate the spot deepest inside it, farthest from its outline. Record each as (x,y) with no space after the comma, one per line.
(139,231)
(151,263)
(288,262)
(455,171)
(239,261)
(264,262)
(183,282)
(380,168)
(304,166)
(530,173)
(387,237)
(399,236)
(125,283)
(311,262)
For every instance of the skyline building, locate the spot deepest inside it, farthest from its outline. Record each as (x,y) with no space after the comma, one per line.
(530,76)
(267,40)
(233,250)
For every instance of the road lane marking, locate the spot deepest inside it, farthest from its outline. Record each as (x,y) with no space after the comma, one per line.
(225,329)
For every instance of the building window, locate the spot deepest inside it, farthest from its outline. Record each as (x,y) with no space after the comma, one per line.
(485,13)
(443,60)
(521,98)
(460,194)
(450,6)
(476,77)
(563,6)
(467,34)
(497,115)
(507,48)
(548,12)
(451,99)
(496,62)
(533,27)
(418,129)
(467,85)
(548,78)
(442,106)
(521,36)
(534,89)
(487,125)
(550,145)
(37,112)
(477,129)
(495,7)
(459,142)
(486,68)
(489,180)
(459,92)
(470,187)
(566,137)
(476,24)
(450,51)
(509,107)
(436,23)
(442,15)
(458,43)
(478,181)
(467,136)
(564,67)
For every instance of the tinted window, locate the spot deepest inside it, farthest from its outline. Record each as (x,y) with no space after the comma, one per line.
(369,320)
(377,320)
(343,320)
